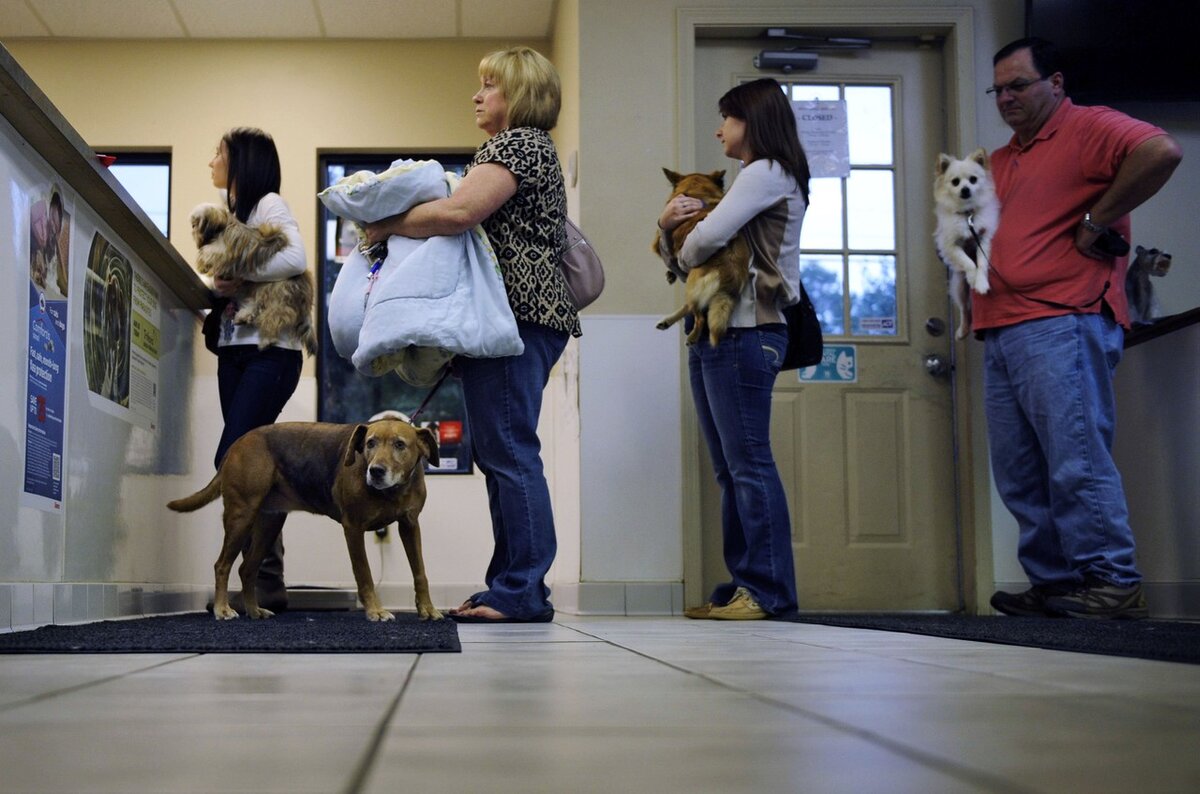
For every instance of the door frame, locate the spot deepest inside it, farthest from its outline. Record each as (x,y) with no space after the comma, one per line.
(955,26)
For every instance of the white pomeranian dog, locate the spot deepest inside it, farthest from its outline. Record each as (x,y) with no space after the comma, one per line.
(967,212)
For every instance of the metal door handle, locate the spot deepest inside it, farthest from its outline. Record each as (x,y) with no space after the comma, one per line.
(937,366)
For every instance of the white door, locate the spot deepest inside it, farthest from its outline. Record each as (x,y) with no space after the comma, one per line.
(866,449)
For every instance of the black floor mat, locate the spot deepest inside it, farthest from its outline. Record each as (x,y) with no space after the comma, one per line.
(1164,640)
(199,632)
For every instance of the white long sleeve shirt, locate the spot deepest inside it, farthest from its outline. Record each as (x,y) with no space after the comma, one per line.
(766,203)
(289,262)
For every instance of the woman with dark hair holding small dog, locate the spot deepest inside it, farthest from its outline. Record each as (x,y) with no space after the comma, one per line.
(254,384)
(732,381)
(514,189)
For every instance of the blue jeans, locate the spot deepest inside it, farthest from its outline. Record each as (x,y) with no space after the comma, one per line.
(254,386)
(731,387)
(503,398)
(1051,415)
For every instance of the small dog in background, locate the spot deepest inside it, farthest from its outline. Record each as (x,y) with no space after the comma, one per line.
(713,287)
(967,213)
(230,249)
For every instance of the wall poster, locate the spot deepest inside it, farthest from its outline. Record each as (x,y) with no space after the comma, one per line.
(121,327)
(45,406)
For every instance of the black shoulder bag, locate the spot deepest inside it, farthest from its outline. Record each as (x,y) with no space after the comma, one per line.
(805,342)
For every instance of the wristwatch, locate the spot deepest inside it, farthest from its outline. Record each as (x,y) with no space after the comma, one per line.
(1091,225)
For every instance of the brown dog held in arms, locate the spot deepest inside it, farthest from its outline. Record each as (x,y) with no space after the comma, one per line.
(365,476)
(230,249)
(713,287)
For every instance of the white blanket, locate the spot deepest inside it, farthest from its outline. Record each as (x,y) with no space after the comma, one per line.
(431,299)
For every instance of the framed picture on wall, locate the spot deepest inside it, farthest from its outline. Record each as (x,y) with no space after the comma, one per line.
(343,393)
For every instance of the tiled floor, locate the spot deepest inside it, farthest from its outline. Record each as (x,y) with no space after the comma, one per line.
(607,705)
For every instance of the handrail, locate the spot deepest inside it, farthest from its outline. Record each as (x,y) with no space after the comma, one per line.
(35,118)
(1161,327)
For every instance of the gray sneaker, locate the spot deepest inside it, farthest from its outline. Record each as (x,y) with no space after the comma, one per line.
(1098,600)
(1029,603)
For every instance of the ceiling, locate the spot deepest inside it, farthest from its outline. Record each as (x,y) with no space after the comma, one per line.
(276,19)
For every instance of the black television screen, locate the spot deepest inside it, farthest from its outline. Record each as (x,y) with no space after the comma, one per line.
(1121,50)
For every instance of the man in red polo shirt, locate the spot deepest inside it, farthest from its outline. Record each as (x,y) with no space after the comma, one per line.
(1053,330)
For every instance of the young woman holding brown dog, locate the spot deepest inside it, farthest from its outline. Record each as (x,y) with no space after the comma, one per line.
(514,188)
(254,383)
(732,381)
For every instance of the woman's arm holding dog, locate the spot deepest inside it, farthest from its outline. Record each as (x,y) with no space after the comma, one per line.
(760,185)
(482,191)
(291,261)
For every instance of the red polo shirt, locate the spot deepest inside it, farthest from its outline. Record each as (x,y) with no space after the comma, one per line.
(1045,187)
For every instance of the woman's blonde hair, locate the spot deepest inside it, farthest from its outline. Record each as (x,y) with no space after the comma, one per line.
(530,84)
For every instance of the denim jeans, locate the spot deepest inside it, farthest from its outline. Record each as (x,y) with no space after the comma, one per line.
(731,387)
(254,386)
(1051,415)
(503,398)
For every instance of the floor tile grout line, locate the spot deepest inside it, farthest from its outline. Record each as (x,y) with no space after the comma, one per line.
(952,769)
(1058,689)
(44,696)
(367,760)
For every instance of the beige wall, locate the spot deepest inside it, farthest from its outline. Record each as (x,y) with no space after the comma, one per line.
(618,59)
(308,95)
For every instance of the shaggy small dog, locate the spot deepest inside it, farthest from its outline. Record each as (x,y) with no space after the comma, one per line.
(967,213)
(230,249)
(713,287)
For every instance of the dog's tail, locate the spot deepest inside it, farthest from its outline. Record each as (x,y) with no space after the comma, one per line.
(199,499)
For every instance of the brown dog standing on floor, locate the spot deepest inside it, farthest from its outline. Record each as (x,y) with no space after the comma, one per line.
(714,286)
(365,476)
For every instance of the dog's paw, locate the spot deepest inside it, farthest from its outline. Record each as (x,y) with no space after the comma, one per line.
(428,612)
(224,613)
(258,613)
(379,615)
(981,284)
(663,325)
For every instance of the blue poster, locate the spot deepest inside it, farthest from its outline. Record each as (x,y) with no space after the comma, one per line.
(45,408)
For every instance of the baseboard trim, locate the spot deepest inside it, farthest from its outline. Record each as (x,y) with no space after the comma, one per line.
(27,605)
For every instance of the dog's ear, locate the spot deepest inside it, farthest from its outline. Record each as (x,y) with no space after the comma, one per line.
(673,176)
(719,178)
(429,443)
(980,156)
(943,162)
(355,446)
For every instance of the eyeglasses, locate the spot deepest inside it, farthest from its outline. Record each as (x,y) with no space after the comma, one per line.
(1015,87)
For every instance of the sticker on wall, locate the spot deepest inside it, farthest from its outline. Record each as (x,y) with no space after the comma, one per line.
(45,391)
(106,313)
(839,364)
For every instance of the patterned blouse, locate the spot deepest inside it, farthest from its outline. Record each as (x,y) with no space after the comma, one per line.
(527,231)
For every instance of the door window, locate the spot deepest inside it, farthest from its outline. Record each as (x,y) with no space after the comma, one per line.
(849,241)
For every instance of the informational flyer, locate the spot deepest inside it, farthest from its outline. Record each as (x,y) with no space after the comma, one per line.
(145,329)
(45,404)
(825,133)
